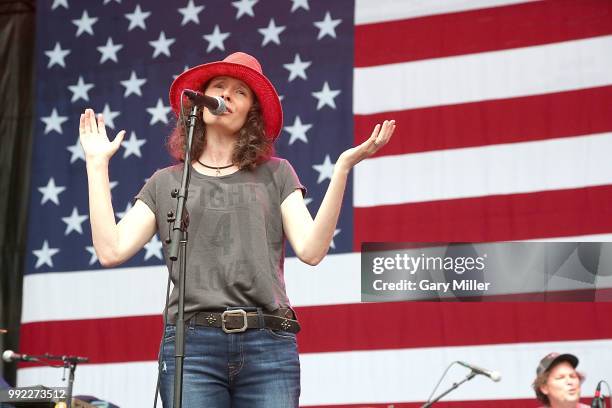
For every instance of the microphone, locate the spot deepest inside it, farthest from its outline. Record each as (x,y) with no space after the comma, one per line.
(493,375)
(9,356)
(214,104)
(598,400)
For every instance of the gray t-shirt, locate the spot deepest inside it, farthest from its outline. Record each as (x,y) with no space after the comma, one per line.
(236,250)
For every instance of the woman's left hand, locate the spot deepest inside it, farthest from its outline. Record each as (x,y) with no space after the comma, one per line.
(380,136)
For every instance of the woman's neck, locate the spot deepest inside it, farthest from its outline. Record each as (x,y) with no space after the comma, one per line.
(218,150)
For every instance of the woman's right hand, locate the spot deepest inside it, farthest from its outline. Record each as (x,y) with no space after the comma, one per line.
(95,142)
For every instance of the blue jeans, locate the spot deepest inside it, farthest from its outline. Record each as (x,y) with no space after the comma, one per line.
(258,368)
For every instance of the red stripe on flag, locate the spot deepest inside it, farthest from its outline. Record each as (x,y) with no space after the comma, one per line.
(110,340)
(558,213)
(539,117)
(354,327)
(496,28)
(398,325)
(508,403)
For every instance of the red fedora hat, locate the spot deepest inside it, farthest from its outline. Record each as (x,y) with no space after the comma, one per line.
(241,66)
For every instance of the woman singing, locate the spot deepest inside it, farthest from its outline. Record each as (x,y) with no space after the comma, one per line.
(240,345)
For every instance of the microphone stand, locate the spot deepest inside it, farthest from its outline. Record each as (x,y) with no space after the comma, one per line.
(178,250)
(452,388)
(69,362)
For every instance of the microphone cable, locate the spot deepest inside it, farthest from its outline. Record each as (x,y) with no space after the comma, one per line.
(161,342)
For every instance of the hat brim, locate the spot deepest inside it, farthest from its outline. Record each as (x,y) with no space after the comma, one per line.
(570,358)
(267,96)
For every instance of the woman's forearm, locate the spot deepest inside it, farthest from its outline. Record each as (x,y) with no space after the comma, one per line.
(322,231)
(104,229)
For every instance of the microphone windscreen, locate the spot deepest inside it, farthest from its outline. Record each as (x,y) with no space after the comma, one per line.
(7,356)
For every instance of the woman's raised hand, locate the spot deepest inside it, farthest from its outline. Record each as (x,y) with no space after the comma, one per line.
(380,136)
(95,142)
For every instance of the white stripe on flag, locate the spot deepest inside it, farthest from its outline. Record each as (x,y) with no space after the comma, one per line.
(368,376)
(140,291)
(334,281)
(123,384)
(98,294)
(577,238)
(378,11)
(479,171)
(410,374)
(518,72)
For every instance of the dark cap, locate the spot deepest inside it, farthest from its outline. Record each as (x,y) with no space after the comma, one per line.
(553,359)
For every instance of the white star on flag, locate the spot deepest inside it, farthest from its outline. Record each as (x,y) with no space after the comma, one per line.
(57,55)
(113,184)
(76,151)
(137,18)
(54,122)
(332,244)
(159,113)
(327,26)
(325,169)
(109,116)
(326,96)
(85,24)
(297,68)
(244,7)
(132,85)
(307,201)
(74,221)
(132,146)
(153,248)
(298,130)
(271,33)
(108,1)
(190,13)
(109,51)
(94,257)
(216,39)
(44,255)
(80,90)
(162,45)
(121,214)
(51,192)
(57,3)
(299,4)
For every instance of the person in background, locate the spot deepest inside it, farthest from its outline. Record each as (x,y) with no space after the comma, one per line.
(557,383)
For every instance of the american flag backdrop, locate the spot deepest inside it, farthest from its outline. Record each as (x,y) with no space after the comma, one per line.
(504,113)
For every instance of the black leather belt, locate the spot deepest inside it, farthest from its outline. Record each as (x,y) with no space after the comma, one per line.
(239,320)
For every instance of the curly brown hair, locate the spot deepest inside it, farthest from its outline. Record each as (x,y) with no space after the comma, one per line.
(252,148)
(541,380)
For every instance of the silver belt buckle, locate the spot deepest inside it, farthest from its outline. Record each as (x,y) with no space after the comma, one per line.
(236,312)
